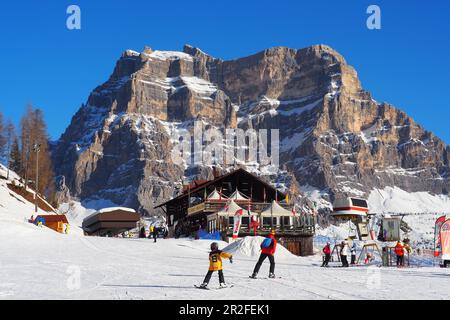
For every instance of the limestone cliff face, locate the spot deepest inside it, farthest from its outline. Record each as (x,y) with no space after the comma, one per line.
(333,134)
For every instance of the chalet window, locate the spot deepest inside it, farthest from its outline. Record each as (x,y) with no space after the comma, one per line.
(245,221)
(266,221)
(230,221)
(286,221)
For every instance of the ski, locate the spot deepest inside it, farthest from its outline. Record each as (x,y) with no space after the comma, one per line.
(200,287)
(218,288)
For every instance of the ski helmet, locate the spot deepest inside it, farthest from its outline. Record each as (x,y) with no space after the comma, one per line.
(214,246)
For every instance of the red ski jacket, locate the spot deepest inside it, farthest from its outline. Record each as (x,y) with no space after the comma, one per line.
(271,249)
(327,250)
(399,250)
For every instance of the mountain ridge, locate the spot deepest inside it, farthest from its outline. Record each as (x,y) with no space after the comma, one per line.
(333,134)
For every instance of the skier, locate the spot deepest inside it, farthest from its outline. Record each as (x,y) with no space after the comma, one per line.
(327,251)
(267,252)
(344,253)
(154,233)
(215,264)
(142,232)
(400,252)
(353,253)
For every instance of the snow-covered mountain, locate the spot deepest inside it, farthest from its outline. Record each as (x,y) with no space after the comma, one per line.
(334,137)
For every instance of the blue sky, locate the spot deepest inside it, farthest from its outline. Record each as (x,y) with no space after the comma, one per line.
(405,63)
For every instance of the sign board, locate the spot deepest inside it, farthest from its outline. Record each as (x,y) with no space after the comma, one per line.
(391,229)
(195,209)
(445,240)
(363,231)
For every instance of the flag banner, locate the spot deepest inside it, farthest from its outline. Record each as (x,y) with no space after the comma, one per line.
(254,224)
(237,223)
(445,240)
(437,238)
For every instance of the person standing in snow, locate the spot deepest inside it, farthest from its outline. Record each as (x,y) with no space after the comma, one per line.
(215,264)
(154,232)
(327,252)
(400,252)
(353,253)
(267,252)
(344,253)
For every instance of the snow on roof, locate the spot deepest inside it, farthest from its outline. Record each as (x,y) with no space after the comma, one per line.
(115,209)
(275,210)
(110,209)
(170,55)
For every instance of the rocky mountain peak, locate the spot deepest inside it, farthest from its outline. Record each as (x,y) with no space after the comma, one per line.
(333,135)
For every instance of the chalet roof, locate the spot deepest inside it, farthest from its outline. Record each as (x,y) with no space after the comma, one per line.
(110,209)
(53,218)
(274,209)
(217,180)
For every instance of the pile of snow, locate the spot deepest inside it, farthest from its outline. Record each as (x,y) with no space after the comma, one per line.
(251,247)
(336,233)
(396,200)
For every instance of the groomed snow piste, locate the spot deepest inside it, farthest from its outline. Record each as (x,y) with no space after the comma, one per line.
(38,263)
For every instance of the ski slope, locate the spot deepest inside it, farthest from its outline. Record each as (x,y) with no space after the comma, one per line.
(38,263)
(41,264)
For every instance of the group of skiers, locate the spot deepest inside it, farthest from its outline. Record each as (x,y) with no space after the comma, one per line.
(344,250)
(154,231)
(268,248)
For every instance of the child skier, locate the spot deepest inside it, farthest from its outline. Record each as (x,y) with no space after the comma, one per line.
(267,252)
(215,264)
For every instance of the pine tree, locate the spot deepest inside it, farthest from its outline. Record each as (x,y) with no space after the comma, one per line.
(14,156)
(10,135)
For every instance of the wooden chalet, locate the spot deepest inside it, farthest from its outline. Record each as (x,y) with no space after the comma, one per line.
(56,222)
(211,205)
(110,222)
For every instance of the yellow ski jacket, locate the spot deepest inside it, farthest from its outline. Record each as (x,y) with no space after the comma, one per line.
(215,259)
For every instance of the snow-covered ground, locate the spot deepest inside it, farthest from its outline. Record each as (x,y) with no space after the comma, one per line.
(38,263)
(42,264)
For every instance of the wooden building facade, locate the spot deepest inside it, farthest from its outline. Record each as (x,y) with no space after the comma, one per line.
(110,222)
(211,206)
